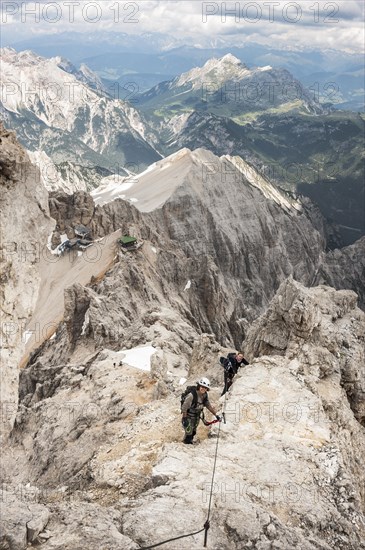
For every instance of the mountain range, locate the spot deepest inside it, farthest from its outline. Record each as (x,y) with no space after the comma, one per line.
(80,133)
(240,186)
(67,115)
(150,58)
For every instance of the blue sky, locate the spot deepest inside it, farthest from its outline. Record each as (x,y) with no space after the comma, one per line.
(284,24)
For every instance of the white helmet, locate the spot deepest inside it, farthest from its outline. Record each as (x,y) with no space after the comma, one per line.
(205,383)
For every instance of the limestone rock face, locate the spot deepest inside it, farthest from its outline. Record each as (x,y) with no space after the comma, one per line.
(293,439)
(320,327)
(24,226)
(69,211)
(102,442)
(21,519)
(103,528)
(345,268)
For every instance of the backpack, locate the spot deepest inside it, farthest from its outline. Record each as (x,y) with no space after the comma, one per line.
(226,363)
(193,390)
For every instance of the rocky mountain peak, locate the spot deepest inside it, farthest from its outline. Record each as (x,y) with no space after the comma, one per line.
(7,51)
(195,171)
(48,88)
(230,58)
(216,71)
(23,58)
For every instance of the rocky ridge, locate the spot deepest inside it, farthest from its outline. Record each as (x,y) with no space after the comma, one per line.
(223,250)
(345,268)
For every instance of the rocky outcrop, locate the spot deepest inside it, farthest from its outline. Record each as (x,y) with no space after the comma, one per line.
(24,225)
(22,519)
(69,211)
(299,321)
(345,268)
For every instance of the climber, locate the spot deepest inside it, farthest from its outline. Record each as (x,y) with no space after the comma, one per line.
(231,364)
(194,399)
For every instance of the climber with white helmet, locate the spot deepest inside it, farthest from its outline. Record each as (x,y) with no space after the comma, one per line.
(193,401)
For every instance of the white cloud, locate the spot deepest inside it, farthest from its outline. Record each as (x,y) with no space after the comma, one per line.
(333,25)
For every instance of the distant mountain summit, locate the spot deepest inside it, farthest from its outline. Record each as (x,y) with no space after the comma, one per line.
(67,115)
(225,86)
(218,70)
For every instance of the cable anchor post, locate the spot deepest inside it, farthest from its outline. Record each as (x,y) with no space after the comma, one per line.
(206,527)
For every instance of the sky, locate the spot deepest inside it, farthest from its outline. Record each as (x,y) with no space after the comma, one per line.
(305,24)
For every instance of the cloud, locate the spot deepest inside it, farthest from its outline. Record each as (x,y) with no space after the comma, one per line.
(302,24)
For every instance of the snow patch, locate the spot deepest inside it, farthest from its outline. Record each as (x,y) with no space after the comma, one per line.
(182,381)
(26,335)
(140,357)
(153,249)
(85,323)
(188,285)
(112,188)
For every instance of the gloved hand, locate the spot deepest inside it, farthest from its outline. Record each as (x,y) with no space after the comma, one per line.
(185,422)
(219,418)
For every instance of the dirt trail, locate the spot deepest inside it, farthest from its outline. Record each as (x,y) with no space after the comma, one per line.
(58,273)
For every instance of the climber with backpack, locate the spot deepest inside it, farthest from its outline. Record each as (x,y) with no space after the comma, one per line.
(231,364)
(193,401)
